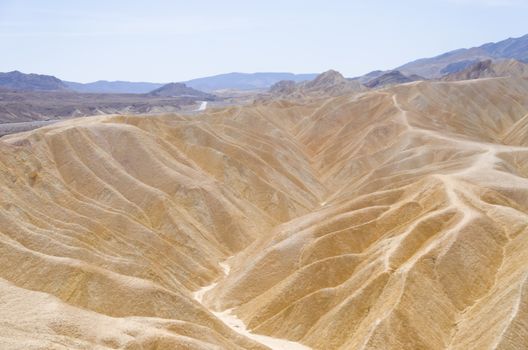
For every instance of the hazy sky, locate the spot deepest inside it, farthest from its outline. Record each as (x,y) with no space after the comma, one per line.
(162,40)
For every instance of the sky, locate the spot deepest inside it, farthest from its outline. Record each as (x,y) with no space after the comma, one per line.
(174,40)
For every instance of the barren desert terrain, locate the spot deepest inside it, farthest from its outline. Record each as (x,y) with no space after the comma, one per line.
(387,219)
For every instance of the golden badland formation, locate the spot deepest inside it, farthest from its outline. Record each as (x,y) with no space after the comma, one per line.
(387,219)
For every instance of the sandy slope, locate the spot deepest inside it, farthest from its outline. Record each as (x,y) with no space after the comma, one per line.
(381,220)
(232,321)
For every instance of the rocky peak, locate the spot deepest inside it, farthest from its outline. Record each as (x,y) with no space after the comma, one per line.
(328,78)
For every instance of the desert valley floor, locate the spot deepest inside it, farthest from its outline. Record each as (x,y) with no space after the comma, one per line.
(386,219)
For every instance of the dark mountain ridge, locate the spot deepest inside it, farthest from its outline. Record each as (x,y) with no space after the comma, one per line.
(434,67)
(181,90)
(16,80)
(392,78)
(114,87)
(245,81)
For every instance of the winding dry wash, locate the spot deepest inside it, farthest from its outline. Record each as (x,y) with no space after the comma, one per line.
(238,326)
(387,219)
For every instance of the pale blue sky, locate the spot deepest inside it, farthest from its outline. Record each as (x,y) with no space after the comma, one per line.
(162,40)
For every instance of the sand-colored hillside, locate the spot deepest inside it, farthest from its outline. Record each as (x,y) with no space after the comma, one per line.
(391,219)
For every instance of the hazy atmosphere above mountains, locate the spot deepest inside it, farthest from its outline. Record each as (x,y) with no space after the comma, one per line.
(163,41)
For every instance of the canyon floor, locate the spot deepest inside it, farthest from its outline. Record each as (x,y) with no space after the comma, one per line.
(387,219)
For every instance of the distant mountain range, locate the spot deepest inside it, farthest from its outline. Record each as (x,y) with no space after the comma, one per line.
(31,82)
(230,81)
(234,81)
(245,81)
(458,60)
(114,87)
(428,68)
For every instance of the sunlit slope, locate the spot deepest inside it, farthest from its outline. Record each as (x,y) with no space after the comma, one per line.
(112,218)
(388,219)
(421,240)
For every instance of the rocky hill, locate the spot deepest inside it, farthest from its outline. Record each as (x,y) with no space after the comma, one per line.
(490,69)
(181,90)
(30,82)
(329,83)
(391,78)
(453,61)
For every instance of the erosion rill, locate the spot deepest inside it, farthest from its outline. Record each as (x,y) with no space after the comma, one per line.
(386,219)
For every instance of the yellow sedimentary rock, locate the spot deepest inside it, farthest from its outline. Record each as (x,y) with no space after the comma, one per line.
(391,219)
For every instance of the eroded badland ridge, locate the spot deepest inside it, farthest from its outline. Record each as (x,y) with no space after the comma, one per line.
(387,219)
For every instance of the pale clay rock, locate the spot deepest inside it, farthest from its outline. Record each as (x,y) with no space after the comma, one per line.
(391,219)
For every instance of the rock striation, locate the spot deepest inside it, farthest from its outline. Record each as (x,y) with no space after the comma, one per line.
(329,83)
(490,69)
(390,219)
